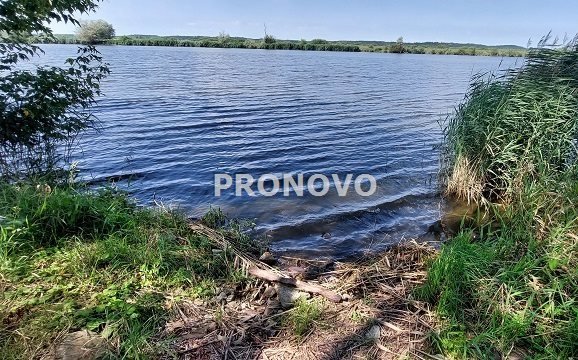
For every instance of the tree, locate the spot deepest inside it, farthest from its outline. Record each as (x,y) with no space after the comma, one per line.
(224,37)
(42,110)
(94,32)
(398,46)
(319,41)
(268,39)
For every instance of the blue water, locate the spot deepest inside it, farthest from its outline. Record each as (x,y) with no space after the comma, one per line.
(173,117)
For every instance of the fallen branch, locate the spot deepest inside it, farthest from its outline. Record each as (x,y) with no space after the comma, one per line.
(300,285)
(261,270)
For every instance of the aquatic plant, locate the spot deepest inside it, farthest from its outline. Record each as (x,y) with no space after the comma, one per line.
(507,286)
(514,125)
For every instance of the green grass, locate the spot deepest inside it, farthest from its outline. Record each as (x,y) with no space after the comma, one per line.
(303,316)
(510,147)
(517,125)
(74,259)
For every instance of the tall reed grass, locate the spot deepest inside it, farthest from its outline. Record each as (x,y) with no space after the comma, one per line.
(507,288)
(517,124)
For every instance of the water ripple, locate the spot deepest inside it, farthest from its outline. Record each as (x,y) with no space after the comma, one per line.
(172,117)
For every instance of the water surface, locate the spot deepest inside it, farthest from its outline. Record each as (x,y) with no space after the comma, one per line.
(173,117)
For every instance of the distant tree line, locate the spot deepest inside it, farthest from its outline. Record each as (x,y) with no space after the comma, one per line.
(269,42)
(220,42)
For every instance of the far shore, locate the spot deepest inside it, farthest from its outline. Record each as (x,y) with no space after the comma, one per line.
(270,43)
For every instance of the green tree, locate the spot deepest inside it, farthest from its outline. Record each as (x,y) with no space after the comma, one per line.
(94,32)
(267,38)
(398,47)
(224,37)
(42,110)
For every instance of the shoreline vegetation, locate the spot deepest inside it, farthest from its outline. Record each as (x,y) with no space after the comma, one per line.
(506,285)
(88,274)
(270,43)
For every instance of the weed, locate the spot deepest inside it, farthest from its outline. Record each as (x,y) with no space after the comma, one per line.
(304,315)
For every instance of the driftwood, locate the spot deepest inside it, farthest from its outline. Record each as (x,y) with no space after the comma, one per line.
(300,285)
(259,269)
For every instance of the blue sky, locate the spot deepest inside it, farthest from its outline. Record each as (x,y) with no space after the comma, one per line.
(477,21)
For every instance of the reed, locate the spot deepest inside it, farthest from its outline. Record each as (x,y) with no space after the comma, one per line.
(507,287)
(512,125)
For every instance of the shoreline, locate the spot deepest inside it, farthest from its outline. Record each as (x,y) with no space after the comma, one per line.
(143,277)
(313,45)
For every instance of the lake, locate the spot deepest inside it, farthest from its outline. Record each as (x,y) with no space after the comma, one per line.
(172,118)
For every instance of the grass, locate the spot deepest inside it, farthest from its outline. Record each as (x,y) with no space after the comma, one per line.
(511,148)
(303,316)
(74,259)
(517,125)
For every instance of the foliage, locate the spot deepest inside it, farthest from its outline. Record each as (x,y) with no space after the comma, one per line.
(94,32)
(398,46)
(22,18)
(269,39)
(319,41)
(230,43)
(320,45)
(224,37)
(42,110)
(304,315)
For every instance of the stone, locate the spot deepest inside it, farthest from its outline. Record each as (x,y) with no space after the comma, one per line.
(374,333)
(288,296)
(269,292)
(80,345)
(268,258)
(221,297)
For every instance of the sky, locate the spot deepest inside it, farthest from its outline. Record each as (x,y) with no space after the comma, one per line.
(488,22)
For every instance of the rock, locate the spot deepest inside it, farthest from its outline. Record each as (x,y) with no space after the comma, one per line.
(374,333)
(288,296)
(269,292)
(346,297)
(268,258)
(221,297)
(80,345)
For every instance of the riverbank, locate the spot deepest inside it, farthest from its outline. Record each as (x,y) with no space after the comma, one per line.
(89,267)
(73,259)
(434,48)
